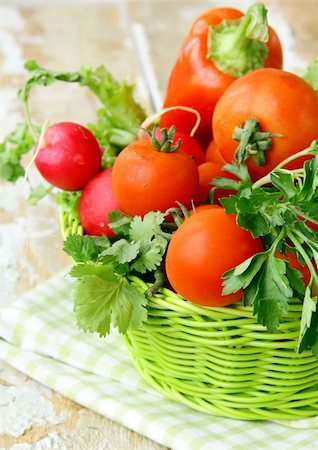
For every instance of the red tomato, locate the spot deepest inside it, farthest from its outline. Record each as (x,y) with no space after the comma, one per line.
(96,202)
(69,157)
(213,154)
(207,172)
(188,144)
(196,82)
(204,247)
(281,102)
(146,179)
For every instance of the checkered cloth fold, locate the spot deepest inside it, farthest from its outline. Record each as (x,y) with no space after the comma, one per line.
(39,338)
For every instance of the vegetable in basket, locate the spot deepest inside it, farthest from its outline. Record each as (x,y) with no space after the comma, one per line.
(151,175)
(68,156)
(96,202)
(205,246)
(279,210)
(223,44)
(279,102)
(117,123)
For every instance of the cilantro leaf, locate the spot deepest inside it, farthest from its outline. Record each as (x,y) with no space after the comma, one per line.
(123,251)
(98,303)
(145,229)
(119,222)
(81,248)
(105,272)
(143,242)
(137,311)
(150,256)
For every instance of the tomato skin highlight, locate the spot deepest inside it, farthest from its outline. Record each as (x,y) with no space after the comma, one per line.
(204,247)
(281,102)
(70,156)
(145,179)
(205,83)
(96,202)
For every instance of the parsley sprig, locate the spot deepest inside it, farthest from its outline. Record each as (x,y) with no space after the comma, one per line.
(278,208)
(102,294)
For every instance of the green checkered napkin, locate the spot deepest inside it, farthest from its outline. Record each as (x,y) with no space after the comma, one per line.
(39,338)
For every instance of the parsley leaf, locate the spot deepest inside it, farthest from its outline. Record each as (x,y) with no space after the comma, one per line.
(308,336)
(266,287)
(83,248)
(279,208)
(143,243)
(102,298)
(123,251)
(273,294)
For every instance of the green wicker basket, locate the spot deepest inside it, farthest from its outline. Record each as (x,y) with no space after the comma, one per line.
(219,360)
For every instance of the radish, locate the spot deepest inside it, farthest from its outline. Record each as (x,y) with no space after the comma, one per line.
(69,157)
(96,201)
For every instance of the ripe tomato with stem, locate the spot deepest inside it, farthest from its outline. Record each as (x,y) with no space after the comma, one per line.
(206,245)
(149,175)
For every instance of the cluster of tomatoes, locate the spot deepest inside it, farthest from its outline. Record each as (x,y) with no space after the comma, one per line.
(154,173)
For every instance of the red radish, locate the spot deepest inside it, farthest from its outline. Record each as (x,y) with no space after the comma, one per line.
(189,144)
(96,202)
(69,157)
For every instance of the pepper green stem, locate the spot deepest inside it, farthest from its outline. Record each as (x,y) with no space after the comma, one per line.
(239,46)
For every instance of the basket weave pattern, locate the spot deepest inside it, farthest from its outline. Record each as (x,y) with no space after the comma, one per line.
(219,360)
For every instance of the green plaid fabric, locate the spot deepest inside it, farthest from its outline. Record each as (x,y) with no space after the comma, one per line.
(39,338)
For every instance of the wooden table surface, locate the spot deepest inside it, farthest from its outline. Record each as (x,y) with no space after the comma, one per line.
(65,35)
